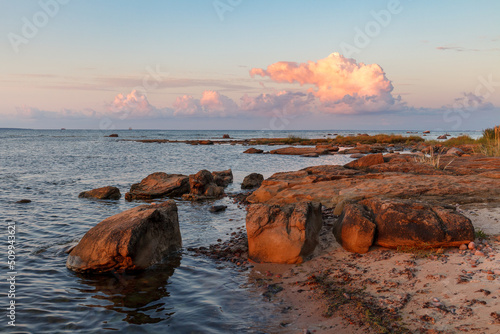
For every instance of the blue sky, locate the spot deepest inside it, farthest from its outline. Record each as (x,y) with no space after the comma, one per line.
(186,64)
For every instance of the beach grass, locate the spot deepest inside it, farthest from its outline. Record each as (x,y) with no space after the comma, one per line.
(490,142)
(376,139)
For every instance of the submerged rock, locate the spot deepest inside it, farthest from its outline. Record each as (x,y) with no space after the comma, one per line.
(285,234)
(131,240)
(102,193)
(217,208)
(251,181)
(158,185)
(253,150)
(310,155)
(23,201)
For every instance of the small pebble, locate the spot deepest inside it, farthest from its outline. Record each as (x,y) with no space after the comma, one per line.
(463,247)
(490,278)
(472,245)
(479,253)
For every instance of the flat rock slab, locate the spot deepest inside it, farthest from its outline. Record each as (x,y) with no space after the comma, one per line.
(465,180)
(299,150)
(131,240)
(366,161)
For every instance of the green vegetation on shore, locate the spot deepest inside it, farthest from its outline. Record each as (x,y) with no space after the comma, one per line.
(488,144)
(377,139)
(340,140)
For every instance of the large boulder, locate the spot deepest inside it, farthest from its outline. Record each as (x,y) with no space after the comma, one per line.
(409,223)
(395,223)
(203,186)
(159,185)
(223,178)
(366,161)
(285,234)
(251,181)
(102,193)
(354,229)
(131,240)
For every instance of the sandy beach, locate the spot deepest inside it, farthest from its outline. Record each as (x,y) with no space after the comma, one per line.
(430,291)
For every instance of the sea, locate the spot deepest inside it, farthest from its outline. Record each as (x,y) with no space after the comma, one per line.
(186,293)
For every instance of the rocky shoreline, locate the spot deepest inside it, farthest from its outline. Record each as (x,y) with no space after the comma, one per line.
(323,229)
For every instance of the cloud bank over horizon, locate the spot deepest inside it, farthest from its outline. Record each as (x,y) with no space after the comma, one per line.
(334,85)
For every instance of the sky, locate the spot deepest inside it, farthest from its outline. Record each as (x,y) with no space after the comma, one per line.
(241,64)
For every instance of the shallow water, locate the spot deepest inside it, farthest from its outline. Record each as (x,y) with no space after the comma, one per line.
(186,294)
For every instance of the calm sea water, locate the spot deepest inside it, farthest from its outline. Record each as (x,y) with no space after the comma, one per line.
(187,294)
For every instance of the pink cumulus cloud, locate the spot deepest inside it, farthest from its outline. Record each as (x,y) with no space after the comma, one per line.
(133,104)
(211,104)
(341,84)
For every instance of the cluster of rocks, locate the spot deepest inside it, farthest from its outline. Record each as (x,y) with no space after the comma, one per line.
(361,150)
(199,186)
(391,201)
(140,237)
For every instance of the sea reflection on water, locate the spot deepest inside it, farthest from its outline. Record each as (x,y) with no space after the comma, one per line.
(140,296)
